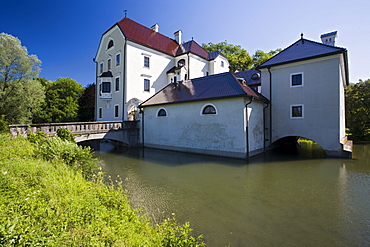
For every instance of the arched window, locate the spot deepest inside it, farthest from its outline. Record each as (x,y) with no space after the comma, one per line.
(162,113)
(208,110)
(110,44)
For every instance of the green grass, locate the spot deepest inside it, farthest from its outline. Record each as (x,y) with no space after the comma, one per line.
(47,202)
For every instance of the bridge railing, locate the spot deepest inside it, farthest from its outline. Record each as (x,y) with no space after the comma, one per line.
(50,129)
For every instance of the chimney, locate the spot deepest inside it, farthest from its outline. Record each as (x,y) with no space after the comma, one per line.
(329,38)
(155,27)
(178,36)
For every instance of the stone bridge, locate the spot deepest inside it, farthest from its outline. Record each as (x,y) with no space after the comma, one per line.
(126,132)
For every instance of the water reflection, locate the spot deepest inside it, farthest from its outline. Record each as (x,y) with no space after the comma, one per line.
(286,199)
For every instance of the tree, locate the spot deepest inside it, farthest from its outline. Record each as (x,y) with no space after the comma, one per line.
(358,110)
(238,57)
(260,56)
(20,95)
(87,104)
(61,102)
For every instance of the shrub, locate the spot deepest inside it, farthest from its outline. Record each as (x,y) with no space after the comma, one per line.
(35,138)
(77,157)
(65,134)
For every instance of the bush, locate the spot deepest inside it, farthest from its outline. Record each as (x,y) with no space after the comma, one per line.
(36,138)
(65,134)
(77,157)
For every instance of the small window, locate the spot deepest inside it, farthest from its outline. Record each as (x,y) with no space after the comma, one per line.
(209,110)
(146,62)
(116,111)
(118,59)
(109,64)
(296,111)
(146,85)
(105,87)
(296,80)
(110,44)
(162,113)
(222,64)
(181,63)
(117,83)
(100,112)
(101,68)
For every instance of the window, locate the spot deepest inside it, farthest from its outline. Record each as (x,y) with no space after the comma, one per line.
(162,113)
(110,44)
(296,79)
(222,64)
(296,111)
(101,68)
(209,110)
(117,83)
(109,64)
(116,112)
(146,85)
(105,87)
(146,62)
(100,112)
(118,59)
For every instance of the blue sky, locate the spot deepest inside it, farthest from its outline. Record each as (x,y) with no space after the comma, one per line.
(65,34)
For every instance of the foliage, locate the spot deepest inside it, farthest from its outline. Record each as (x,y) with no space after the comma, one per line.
(260,56)
(20,95)
(238,57)
(78,157)
(358,110)
(65,135)
(49,204)
(36,138)
(61,102)
(87,104)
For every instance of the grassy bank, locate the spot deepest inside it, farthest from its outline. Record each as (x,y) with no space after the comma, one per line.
(50,200)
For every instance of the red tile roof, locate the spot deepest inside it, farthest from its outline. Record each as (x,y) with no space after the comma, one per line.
(145,36)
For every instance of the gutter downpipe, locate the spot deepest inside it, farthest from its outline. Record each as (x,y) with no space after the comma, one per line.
(247,128)
(142,126)
(268,68)
(264,127)
(124,81)
(96,88)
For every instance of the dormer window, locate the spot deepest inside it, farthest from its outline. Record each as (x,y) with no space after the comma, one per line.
(181,63)
(110,44)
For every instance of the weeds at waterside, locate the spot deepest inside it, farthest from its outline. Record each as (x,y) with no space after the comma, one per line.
(51,194)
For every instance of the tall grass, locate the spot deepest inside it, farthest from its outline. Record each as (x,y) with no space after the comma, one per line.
(46,200)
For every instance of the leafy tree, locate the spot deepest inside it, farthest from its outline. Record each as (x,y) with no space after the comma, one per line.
(238,57)
(261,56)
(61,102)
(20,95)
(358,110)
(87,104)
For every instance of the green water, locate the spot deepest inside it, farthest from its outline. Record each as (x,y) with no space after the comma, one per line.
(281,199)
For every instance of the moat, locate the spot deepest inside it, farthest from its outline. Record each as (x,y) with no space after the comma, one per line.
(280,199)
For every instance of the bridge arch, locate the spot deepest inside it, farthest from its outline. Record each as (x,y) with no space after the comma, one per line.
(301,146)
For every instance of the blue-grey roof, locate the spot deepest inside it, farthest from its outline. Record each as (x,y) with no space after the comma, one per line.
(222,85)
(303,49)
(247,75)
(213,55)
(328,34)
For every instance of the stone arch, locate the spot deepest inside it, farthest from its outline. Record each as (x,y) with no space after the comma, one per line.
(299,143)
(133,109)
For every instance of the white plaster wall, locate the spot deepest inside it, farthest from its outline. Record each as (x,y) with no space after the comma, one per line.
(255,126)
(185,129)
(136,72)
(102,57)
(321,96)
(198,66)
(216,64)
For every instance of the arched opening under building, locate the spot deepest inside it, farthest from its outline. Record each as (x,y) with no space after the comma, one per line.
(298,147)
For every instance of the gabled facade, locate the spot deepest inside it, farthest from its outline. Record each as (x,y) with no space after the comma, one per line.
(134,62)
(305,85)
